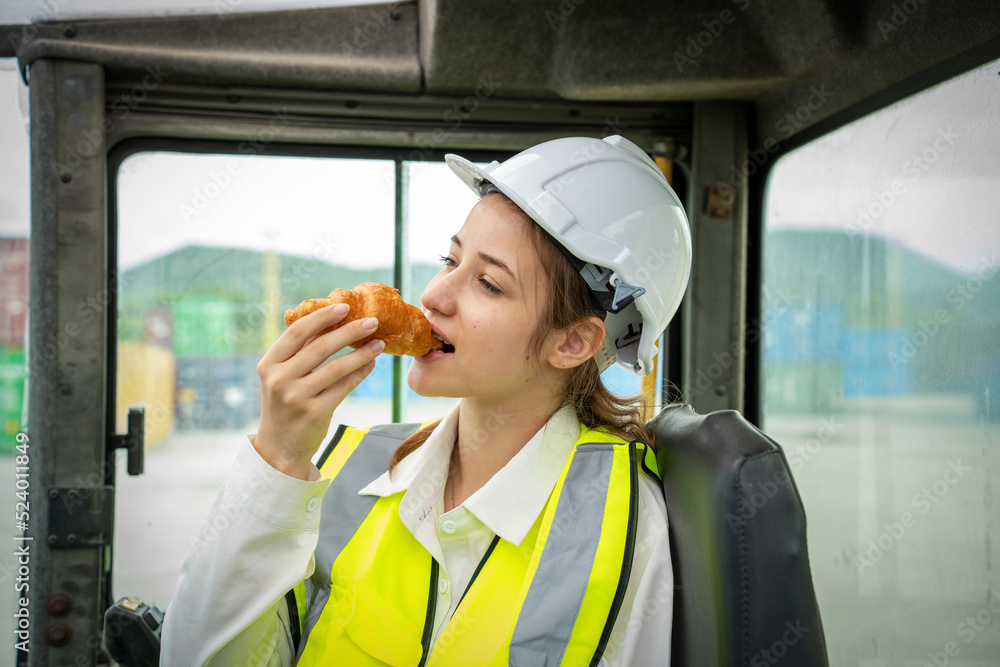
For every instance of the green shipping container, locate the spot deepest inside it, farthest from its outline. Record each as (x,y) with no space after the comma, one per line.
(803,387)
(204,327)
(12,374)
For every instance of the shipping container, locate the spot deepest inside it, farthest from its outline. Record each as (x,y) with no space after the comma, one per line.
(12,375)
(203,327)
(13,291)
(216,393)
(804,388)
(878,362)
(146,378)
(797,333)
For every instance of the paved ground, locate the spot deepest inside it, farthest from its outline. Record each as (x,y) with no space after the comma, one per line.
(901,527)
(890,594)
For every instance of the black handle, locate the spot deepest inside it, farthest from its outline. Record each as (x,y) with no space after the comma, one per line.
(133,441)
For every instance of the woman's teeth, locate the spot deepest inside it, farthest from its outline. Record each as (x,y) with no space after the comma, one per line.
(447,347)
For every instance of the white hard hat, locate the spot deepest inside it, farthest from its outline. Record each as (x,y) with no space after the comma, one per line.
(609,206)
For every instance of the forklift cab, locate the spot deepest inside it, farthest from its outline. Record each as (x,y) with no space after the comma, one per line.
(183,174)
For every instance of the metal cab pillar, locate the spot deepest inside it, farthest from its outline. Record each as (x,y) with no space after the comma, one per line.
(71,490)
(715,305)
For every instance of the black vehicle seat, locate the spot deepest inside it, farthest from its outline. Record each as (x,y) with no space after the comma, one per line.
(743,590)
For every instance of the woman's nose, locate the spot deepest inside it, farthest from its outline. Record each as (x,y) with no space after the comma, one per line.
(439,295)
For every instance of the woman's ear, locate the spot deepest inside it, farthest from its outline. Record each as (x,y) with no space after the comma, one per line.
(576,343)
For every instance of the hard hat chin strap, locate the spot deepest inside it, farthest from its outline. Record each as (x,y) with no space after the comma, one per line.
(612,294)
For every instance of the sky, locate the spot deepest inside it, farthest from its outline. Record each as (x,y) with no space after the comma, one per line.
(926,171)
(14,163)
(337,210)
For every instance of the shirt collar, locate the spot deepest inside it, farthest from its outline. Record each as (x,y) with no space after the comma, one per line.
(510,502)
(422,474)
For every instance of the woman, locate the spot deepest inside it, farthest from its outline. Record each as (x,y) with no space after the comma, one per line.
(527,526)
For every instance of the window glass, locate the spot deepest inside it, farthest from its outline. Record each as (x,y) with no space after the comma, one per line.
(881,371)
(212,249)
(15,223)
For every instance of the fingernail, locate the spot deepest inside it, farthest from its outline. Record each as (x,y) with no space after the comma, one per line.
(371,324)
(341,308)
(378,346)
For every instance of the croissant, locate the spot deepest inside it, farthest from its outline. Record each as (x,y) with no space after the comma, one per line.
(402,327)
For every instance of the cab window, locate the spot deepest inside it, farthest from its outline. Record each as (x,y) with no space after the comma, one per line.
(211,251)
(881,370)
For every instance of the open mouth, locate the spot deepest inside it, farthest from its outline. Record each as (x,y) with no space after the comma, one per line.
(446,347)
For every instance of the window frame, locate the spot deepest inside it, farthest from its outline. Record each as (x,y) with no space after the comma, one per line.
(122,151)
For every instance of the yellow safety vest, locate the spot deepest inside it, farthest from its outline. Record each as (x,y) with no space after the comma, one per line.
(553,600)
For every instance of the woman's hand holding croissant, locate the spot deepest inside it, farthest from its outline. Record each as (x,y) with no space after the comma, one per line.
(299,395)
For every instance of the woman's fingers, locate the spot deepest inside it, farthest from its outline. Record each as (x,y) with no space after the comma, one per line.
(339,390)
(295,337)
(322,347)
(342,373)
(299,392)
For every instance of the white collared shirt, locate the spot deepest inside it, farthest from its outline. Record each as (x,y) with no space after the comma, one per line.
(215,615)
(507,505)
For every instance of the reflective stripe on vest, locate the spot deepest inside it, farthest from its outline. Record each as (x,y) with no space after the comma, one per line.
(552,600)
(343,509)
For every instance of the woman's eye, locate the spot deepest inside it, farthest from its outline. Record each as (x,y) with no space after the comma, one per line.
(489,287)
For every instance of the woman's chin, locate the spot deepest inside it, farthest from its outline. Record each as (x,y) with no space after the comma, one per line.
(423,383)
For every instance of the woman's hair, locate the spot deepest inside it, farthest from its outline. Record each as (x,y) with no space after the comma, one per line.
(570,301)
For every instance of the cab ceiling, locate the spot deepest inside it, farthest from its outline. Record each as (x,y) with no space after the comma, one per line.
(775,54)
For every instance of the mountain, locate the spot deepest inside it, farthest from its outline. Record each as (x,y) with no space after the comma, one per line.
(237,278)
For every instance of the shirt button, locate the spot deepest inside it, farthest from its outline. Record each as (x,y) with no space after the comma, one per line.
(443,585)
(312,504)
(449,526)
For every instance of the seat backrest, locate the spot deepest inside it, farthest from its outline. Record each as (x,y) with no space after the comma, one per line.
(743,591)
